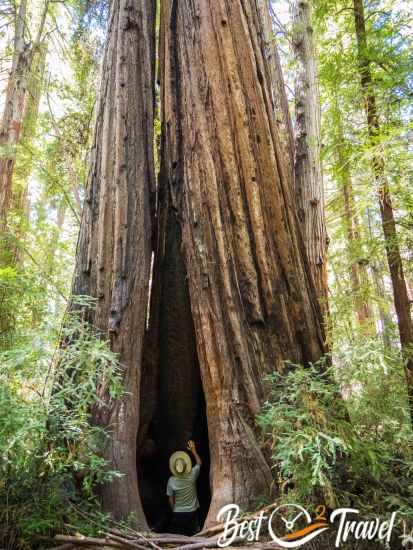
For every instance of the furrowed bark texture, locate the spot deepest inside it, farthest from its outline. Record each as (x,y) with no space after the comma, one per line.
(252,298)
(394,259)
(114,248)
(308,172)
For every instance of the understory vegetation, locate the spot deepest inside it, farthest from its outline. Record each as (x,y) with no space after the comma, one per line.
(359,455)
(51,463)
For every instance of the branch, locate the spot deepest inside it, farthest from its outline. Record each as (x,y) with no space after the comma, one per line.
(87,541)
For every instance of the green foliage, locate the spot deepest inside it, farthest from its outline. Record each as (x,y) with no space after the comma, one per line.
(323,453)
(22,301)
(348,152)
(51,462)
(307,441)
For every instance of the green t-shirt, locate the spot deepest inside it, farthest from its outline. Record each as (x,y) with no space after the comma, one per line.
(184,490)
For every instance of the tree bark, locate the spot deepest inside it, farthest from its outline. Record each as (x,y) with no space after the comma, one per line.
(400,295)
(252,297)
(114,248)
(308,172)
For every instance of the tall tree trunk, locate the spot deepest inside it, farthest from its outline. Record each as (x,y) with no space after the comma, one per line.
(279,95)
(20,188)
(358,269)
(308,172)
(114,249)
(401,299)
(12,119)
(253,300)
(377,268)
(21,104)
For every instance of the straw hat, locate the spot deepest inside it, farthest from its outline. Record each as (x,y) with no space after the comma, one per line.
(180,463)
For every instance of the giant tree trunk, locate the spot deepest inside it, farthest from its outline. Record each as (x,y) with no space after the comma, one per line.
(252,297)
(400,294)
(308,172)
(114,248)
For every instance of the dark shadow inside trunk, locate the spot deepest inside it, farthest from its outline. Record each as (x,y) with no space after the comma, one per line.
(153,468)
(172,389)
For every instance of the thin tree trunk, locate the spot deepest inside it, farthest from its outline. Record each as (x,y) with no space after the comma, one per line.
(358,270)
(114,248)
(377,269)
(20,189)
(21,87)
(252,297)
(13,111)
(21,102)
(400,295)
(308,172)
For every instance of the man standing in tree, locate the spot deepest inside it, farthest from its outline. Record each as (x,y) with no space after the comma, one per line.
(182,493)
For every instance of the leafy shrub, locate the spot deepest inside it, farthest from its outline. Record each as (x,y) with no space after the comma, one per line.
(324,453)
(306,440)
(50,461)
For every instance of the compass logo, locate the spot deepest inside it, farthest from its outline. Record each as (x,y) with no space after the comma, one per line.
(299,527)
(291,525)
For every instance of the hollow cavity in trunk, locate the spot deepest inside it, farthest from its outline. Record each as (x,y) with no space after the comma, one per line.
(173,402)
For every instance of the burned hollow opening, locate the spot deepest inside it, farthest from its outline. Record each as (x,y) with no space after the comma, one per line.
(172,400)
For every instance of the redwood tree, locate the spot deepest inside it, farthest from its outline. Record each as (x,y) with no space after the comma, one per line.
(114,247)
(232,293)
(252,297)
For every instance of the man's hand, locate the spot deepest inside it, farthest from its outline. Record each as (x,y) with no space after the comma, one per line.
(191,447)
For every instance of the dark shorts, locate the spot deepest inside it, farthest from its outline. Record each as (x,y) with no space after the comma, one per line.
(185,523)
